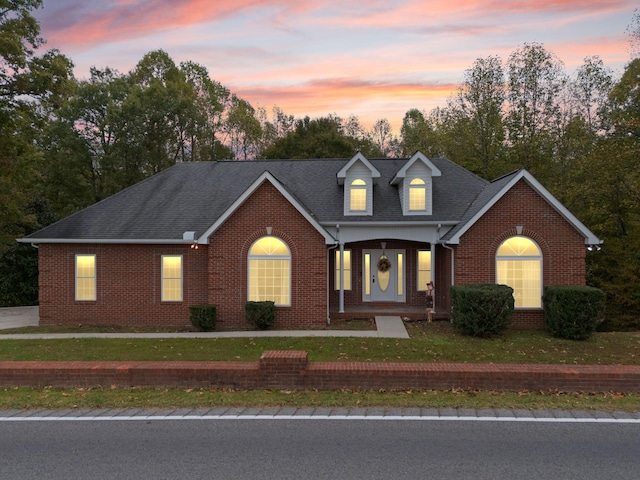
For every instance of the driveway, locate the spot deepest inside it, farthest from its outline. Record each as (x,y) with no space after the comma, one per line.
(16,317)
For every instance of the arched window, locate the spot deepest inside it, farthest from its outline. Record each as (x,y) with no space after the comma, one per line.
(519,265)
(270,271)
(417,194)
(358,195)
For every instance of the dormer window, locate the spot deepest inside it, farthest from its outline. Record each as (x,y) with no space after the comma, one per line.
(358,196)
(417,195)
(415,185)
(358,177)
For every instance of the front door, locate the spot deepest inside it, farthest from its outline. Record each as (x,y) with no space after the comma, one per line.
(384,275)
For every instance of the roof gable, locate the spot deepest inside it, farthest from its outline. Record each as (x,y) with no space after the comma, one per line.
(358,157)
(497,189)
(417,157)
(265,177)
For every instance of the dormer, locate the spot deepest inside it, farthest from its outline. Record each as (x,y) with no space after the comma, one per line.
(415,186)
(358,177)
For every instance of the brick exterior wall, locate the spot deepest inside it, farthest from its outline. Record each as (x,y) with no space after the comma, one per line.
(129,276)
(128,279)
(291,370)
(228,261)
(562,246)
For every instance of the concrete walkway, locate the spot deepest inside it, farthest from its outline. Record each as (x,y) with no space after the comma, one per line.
(16,317)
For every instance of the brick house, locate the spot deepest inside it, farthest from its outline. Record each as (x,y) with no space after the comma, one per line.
(324,239)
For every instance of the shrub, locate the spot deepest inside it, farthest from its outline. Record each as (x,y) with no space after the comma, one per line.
(260,314)
(203,317)
(481,310)
(573,312)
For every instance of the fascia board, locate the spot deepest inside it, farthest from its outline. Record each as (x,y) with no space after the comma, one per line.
(341,175)
(365,224)
(266,176)
(112,241)
(402,173)
(590,238)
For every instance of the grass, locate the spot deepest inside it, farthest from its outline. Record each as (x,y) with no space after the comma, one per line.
(435,342)
(54,398)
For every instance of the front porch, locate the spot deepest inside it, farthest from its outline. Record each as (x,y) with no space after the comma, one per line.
(353,312)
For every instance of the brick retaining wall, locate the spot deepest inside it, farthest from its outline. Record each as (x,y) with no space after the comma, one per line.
(291,370)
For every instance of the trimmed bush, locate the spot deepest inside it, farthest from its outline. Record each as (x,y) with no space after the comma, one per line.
(573,312)
(260,314)
(203,317)
(481,310)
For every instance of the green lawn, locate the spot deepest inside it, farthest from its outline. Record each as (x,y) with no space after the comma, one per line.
(434,342)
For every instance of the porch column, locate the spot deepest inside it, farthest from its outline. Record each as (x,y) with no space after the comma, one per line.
(341,302)
(433,271)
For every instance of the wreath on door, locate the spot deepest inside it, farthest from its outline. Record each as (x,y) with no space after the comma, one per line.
(384,264)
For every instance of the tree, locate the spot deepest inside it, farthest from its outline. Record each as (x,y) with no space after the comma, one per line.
(205,124)
(319,138)
(474,119)
(418,133)
(590,89)
(535,79)
(381,135)
(243,129)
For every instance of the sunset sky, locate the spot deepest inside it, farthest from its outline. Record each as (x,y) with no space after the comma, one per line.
(375,58)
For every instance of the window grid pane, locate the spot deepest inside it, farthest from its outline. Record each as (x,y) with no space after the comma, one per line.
(172,278)
(347,270)
(400,262)
(358,199)
(424,269)
(270,280)
(86,277)
(417,198)
(524,277)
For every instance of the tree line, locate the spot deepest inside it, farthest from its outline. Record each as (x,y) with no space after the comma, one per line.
(66,143)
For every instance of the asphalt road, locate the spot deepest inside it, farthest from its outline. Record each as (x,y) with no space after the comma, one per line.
(317,449)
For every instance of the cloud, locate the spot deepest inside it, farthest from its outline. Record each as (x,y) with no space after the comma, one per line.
(86,23)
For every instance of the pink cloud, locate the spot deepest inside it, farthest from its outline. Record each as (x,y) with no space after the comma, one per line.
(88,23)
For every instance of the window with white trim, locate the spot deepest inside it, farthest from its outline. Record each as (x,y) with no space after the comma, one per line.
(424,269)
(85,273)
(417,195)
(346,270)
(519,265)
(270,271)
(171,278)
(358,195)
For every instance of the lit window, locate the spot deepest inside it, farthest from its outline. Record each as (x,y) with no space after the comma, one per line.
(519,265)
(86,277)
(172,278)
(270,271)
(347,270)
(424,269)
(417,194)
(358,195)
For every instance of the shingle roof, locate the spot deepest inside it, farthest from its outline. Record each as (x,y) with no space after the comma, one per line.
(192,196)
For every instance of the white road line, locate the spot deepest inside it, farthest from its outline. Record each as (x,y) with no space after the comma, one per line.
(125,418)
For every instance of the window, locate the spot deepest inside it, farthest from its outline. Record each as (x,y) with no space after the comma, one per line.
(424,269)
(347,270)
(172,278)
(86,277)
(358,195)
(519,265)
(417,194)
(270,271)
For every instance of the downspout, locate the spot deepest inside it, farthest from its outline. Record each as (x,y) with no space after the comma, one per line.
(453,259)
